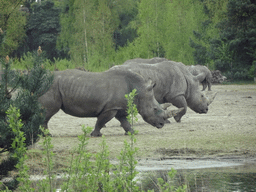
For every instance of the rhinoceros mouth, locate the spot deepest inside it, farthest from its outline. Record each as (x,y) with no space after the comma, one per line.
(159,125)
(202,111)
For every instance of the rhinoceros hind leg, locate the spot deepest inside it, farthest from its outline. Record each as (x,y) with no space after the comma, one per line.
(103,118)
(124,123)
(204,83)
(209,86)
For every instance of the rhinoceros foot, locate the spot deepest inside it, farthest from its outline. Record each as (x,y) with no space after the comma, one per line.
(96,134)
(177,119)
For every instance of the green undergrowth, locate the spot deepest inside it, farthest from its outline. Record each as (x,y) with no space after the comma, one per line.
(239,82)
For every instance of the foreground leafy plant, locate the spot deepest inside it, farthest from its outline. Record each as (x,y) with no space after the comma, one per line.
(166,186)
(19,149)
(132,111)
(47,184)
(80,166)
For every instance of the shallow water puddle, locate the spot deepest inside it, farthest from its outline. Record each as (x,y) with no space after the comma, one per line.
(156,165)
(200,175)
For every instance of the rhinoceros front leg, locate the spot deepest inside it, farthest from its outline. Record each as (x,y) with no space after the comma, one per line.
(51,102)
(125,124)
(179,102)
(209,85)
(103,118)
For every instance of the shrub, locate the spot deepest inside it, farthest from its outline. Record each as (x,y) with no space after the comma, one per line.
(25,98)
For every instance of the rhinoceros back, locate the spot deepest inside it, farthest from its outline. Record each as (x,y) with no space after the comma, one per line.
(167,75)
(87,94)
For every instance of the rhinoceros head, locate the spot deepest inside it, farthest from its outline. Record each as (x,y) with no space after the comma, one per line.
(150,110)
(199,101)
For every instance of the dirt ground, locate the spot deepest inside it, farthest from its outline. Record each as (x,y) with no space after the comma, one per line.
(228,129)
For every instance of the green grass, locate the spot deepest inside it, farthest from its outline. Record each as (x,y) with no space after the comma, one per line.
(239,82)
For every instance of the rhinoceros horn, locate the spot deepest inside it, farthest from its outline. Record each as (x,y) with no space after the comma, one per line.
(211,98)
(172,113)
(165,105)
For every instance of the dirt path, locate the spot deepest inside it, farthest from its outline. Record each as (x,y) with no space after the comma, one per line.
(228,129)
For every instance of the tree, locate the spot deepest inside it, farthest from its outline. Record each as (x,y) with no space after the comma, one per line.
(12,22)
(126,31)
(150,30)
(182,18)
(28,89)
(234,51)
(67,17)
(101,37)
(164,29)
(213,12)
(90,40)
(43,28)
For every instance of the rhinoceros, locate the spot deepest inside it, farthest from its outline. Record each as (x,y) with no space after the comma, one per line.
(153,60)
(203,73)
(102,95)
(174,84)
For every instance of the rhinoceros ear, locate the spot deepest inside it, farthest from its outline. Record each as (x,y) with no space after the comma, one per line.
(172,113)
(150,85)
(165,105)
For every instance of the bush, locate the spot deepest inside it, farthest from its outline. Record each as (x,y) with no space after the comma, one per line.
(237,74)
(27,62)
(27,90)
(252,70)
(61,64)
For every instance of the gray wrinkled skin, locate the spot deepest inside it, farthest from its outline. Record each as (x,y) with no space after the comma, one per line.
(203,74)
(153,60)
(101,95)
(174,84)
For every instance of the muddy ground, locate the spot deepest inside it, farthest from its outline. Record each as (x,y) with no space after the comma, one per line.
(227,130)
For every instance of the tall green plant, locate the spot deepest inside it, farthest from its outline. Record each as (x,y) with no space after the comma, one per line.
(19,148)
(131,108)
(47,184)
(79,165)
(125,172)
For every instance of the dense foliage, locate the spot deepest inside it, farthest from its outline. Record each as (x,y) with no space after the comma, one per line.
(228,42)
(98,34)
(12,26)
(22,91)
